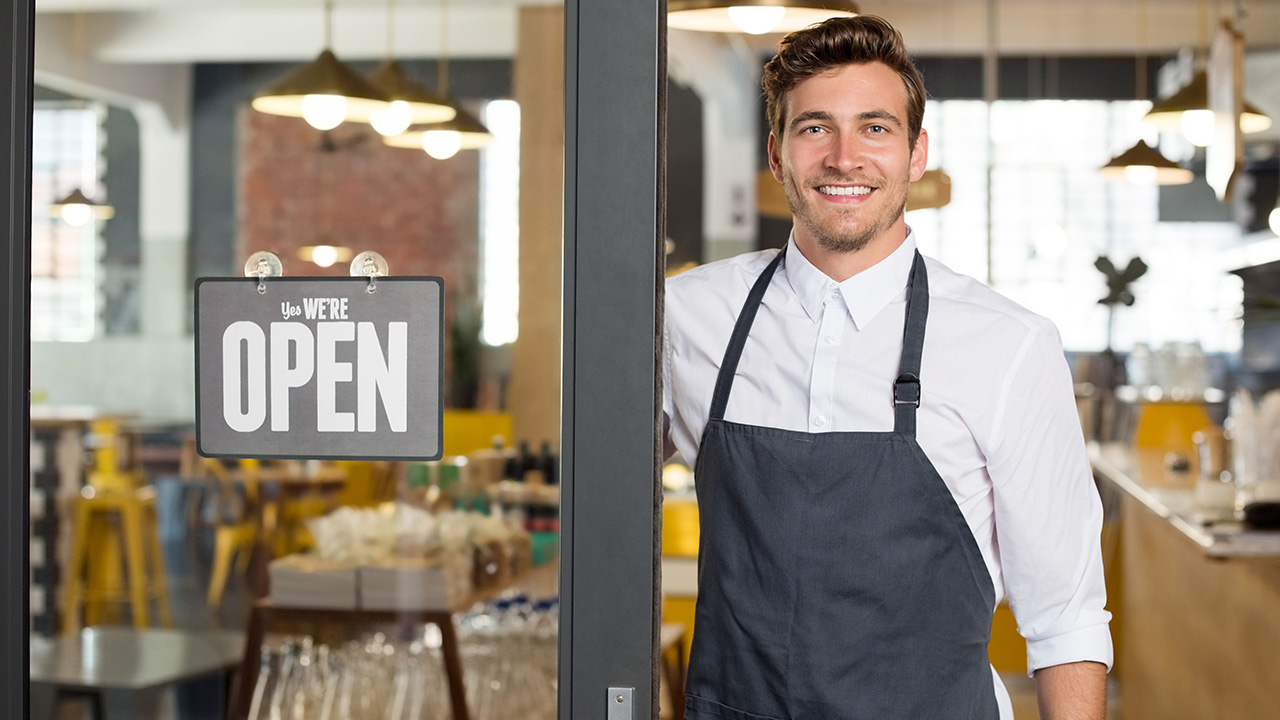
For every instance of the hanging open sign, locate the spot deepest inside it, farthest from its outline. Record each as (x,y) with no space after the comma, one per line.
(320,368)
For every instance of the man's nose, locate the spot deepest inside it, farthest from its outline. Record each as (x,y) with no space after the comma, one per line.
(846,154)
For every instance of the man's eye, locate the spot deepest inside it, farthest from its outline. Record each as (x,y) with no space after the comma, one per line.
(811,130)
(877,129)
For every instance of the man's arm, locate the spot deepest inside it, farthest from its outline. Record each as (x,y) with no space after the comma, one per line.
(1074,691)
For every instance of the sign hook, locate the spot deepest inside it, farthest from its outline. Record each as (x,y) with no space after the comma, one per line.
(371,265)
(263,264)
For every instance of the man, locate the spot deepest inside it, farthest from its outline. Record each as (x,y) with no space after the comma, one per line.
(883,449)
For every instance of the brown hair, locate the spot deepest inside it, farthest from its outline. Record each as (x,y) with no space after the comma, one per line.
(834,43)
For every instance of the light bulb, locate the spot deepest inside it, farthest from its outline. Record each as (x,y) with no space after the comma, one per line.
(756,20)
(76,214)
(324,255)
(1274,220)
(392,119)
(1198,127)
(1140,174)
(1254,123)
(441,144)
(324,112)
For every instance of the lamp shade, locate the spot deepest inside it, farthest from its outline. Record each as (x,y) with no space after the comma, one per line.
(1168,114)
(424,105)
(472,134)
(753,16)
(1144,164)
(324,83)
(77,209)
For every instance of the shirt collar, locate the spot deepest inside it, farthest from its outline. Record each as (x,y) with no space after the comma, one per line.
(865,294)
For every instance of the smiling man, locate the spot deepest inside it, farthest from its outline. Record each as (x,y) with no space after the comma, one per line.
(883,449)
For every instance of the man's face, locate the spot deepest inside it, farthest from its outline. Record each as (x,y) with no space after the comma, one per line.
(844,158)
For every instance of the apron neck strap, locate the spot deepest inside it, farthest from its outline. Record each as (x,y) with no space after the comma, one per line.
(729,366)
(906,388)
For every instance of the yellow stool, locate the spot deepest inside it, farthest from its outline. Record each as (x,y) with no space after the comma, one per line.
(134,514)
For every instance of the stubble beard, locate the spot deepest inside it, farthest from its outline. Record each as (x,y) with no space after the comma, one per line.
(837,236)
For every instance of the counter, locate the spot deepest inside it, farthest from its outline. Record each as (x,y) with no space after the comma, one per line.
(1142,476)
(1197,606)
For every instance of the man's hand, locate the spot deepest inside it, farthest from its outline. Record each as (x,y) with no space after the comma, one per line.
(1074,691)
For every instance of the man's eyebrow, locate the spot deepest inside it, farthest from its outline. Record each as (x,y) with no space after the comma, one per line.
(880,115)
(810,116)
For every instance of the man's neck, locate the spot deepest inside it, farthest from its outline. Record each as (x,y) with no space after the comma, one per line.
(841,266)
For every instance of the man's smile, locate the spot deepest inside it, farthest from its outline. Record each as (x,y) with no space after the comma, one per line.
(845,190)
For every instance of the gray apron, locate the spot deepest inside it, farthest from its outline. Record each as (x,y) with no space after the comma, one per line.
(837,577)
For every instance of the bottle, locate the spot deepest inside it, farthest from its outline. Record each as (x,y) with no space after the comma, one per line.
(549,464)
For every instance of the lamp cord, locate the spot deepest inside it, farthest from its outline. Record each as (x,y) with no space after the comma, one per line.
(328,24)
(442,78)
(1140,72)
(391,29)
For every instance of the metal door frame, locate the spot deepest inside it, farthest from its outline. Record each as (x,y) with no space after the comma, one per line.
(614,250)
(17,27)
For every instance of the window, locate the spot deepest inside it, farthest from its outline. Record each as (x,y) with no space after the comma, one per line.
(65,155)
(1052,216)
(500,224)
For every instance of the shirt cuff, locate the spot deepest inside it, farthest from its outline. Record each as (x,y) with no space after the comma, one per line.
(1088,644)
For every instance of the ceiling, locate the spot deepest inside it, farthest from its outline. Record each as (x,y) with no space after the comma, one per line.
(180,31)
(123,50)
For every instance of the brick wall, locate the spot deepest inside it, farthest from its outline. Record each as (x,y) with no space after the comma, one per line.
(422,214)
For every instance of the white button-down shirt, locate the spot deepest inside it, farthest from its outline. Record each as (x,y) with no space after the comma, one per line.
(997,416)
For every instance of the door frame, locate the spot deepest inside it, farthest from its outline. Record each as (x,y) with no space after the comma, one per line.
(614,253)
(17,26)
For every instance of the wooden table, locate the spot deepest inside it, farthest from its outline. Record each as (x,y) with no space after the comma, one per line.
(265,612)
(123,671)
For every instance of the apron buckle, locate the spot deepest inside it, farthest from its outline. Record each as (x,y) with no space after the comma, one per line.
(912,398)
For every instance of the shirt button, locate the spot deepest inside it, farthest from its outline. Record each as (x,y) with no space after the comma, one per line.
(830,339)
(820,421)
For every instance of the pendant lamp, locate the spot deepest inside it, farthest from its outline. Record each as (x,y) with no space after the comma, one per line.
(443,140)
(325,255)
(77,209)
(411,101)
(1187,111)
(324,92)
(755,17)
(1144,164)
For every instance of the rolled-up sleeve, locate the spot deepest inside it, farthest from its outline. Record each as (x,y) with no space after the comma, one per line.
(1048,516)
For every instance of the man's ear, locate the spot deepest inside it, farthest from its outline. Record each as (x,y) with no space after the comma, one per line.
(920,155)
(775,157)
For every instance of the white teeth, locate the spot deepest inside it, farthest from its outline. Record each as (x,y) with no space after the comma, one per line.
(844,190)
